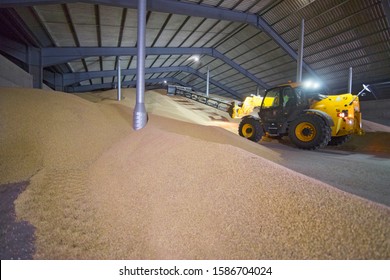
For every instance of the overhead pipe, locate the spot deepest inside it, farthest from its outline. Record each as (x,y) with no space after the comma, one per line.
(350,80)
(300,52)
(140,117)
(208,82)
(119,80)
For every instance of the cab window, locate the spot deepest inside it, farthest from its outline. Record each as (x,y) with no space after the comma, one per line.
(288,97)
(271,99)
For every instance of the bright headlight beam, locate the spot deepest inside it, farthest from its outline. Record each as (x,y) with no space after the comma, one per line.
(311,85)
(307,84)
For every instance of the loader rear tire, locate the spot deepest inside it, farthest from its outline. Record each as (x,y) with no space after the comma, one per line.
(337,141)
(250,129)
(309,132)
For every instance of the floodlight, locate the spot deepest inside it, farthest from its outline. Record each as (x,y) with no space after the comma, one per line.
(311,84)
(195,58)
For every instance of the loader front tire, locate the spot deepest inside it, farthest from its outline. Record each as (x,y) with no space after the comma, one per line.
(251,129)
(309,132)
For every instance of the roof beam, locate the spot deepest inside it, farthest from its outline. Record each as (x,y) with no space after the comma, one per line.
(239,68)
(62,55)
(125,83)
(72,78)
(53,56)
(189,9)
(21,3)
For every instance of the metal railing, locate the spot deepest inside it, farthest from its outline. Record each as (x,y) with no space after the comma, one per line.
(215,102)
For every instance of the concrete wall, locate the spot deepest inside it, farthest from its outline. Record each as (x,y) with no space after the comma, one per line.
(12,75)
(376,111)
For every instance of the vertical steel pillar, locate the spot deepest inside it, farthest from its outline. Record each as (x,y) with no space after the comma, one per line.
(208,82)
(140,116)
(350,80)
(119,80)
(35,68)
(58,82)
(300,52)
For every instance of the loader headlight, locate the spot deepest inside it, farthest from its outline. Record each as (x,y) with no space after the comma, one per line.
(311,84)
(343,114)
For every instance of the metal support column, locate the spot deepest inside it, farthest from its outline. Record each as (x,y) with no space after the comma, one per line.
(35,66)
(119,80)
(300,52)
(58,82)
(350,80)
(208,82)
(140,116)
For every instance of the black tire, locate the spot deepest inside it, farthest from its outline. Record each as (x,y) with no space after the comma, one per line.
(230,109)
(251,129)
(337,141)
(309,132)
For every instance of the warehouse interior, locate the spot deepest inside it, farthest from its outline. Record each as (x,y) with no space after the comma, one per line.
(79,180)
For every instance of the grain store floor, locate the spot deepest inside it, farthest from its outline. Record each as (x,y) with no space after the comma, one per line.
(184,187)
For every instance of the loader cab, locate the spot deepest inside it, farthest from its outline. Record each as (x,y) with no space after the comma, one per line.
(277,107)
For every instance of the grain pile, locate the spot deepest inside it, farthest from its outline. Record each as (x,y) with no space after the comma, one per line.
(174,190)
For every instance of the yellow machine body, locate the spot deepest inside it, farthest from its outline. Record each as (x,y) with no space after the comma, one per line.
(310,118)
(344,109)
(246,107)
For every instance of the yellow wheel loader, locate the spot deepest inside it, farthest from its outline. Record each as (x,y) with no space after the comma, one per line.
(311,119)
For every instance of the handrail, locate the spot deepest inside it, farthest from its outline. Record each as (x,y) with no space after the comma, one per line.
(217,103)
